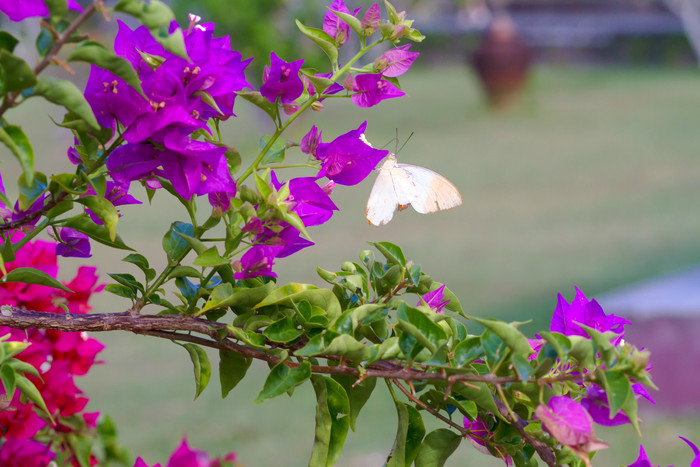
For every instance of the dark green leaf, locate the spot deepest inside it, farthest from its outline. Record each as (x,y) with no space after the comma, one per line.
(617,387)
(7,41)
(322,39)
(409,435)
(202,367)
(232,368)
(18,75)
(98,55)
(332,422)
(358,393)
(121,290)
(283,378)
(283,331)
(7,375)
(17,142)
(522,367)
(437,446)
(57,8)
(480,393)
(67,95)
(34,276)
(422,328)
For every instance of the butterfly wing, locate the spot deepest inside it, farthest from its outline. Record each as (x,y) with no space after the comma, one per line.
(428,191)
(382,200)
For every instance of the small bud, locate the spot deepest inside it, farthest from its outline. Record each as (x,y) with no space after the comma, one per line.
(317,106)
(348,267)
(348,82)
(246,194)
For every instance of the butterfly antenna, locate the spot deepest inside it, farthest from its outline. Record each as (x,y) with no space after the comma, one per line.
(404,143)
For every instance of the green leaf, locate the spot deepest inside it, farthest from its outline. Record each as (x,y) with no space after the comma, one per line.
(358,393)
(121,290)
(23,367)
(276,152)
(347,346)
(392,253)
(510,335)
(283,378)
(210,258)
(34,276)
(522,367)
(7,41)
(467,351)
(57,8)
(29,192)
(602,343)
(257,99)
(422,328)
(283,331)
(225,295)
(174,244)
(104,210)
(294,292)
(582,351)
(96,232)
(127,280)
(17,142)
(202,367)
(354,23)
(67,95)
(232,368)
(617,387)
(152,15)
(630,409)
(437,447)
(332,422)
(32,393)
(480,393)
(95,53)
(173,42)
(409,435)
(17,74)
(322,39)
(454,304)
(7,375)
(141,262)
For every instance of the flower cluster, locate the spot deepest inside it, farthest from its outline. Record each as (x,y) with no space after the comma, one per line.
(184,456)
(179,97)
(56,356)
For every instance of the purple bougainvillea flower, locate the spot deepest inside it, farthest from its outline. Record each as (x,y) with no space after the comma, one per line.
(310,141)
(479,430)
(570,424)
(133,45)
(597,405)
(17,10)
(220,202)
(131,162)
(395,62)
(370,89)
(566,318)
(643,460)
(696,453)
(281,80)
(284,236)
(308,200)
(348,159)
(435,300)
(73,244)
(257,261)
(184,456)
(370,22)
(117,194)
(334,26)
(112,99)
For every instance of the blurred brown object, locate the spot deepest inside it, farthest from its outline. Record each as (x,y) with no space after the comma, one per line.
(502,62)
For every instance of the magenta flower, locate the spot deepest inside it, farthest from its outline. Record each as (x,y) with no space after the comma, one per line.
(257,261)
(112,99)
(308,200)
(20,423)
(566,318)
(696,453)
(281,80)
(184,456)
(73,244)
(285,237)
(570,424)
(479,432)
(372,19)
(642,460)
(309,143)
(26,453)
(17,10)
(334,26)
(597,405)
(395,62)
(115,193)
(370,89)
(348,159)
(435,300)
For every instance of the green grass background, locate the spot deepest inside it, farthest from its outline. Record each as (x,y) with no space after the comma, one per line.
(592,181)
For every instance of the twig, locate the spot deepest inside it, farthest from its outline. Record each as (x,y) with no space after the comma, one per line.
(544,451)
(463,431)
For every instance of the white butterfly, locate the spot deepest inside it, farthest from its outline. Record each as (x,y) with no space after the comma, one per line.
(401,185)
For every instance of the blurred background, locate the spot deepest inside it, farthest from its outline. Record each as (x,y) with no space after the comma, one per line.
(570,128)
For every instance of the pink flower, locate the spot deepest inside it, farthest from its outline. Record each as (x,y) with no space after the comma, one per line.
(370,89)
(27,453)
(435,300)
(20,422)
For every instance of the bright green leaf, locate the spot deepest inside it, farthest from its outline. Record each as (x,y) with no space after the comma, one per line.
(232,368)
(202,367)
(332,422)
(283,378)
(322,39)
(437,447)
(34,276)
(67,95)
